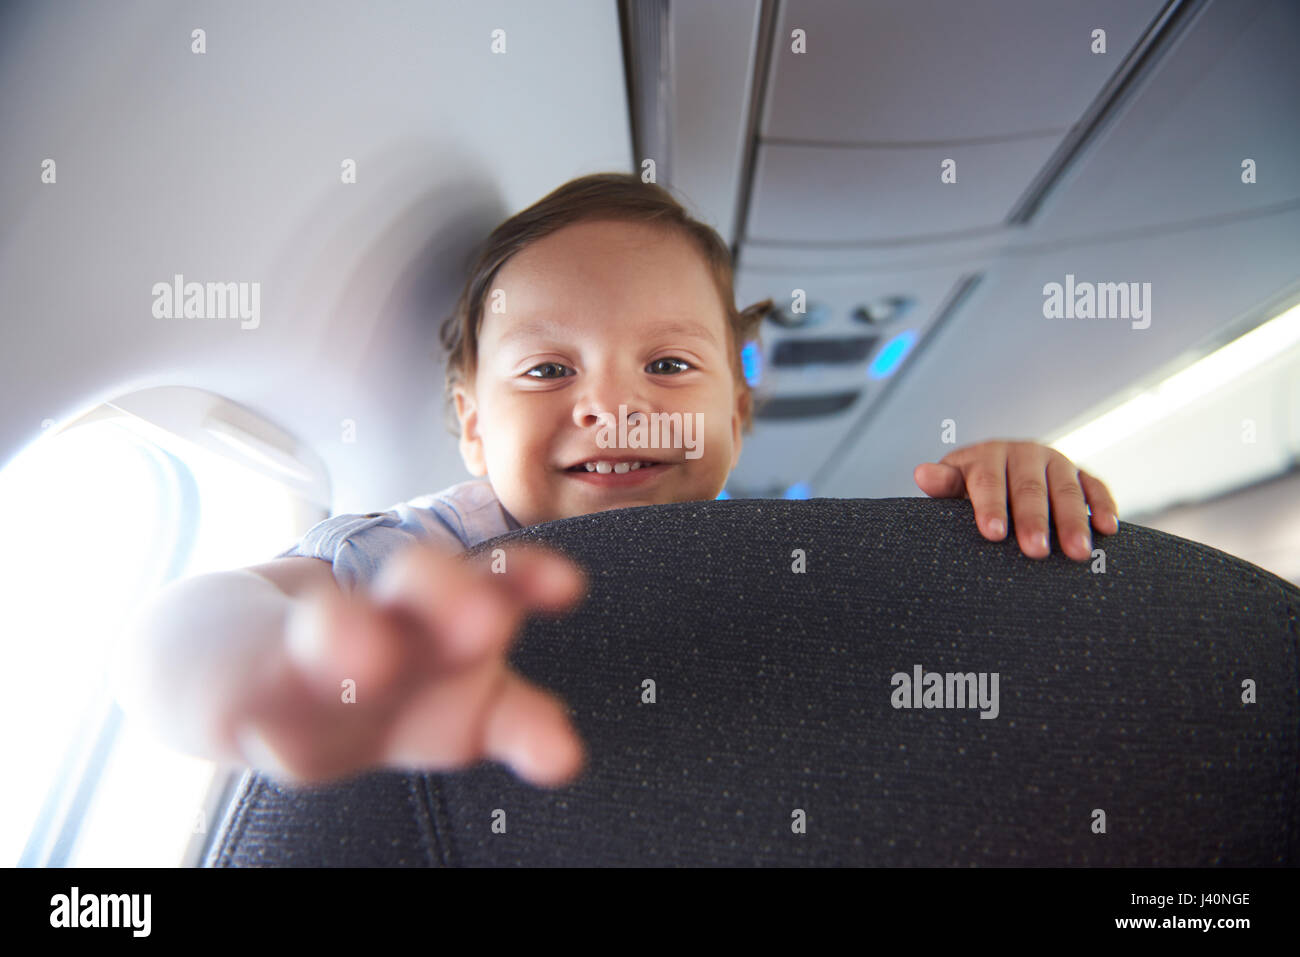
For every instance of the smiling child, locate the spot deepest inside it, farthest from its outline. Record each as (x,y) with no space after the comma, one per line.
(600,309)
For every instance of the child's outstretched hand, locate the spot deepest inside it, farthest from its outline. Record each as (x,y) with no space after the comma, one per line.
(412,674)
(1033,473)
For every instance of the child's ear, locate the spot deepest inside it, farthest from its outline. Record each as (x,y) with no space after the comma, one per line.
(471,443)
(744,401)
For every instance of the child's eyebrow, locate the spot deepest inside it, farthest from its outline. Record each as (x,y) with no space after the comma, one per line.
(542,328)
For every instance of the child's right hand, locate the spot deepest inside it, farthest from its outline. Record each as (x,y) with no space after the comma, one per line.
(412,674)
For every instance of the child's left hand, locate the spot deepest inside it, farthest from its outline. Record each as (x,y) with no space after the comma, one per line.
(983,472)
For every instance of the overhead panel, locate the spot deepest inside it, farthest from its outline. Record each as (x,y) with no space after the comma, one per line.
(904,121)
(915,71)
(1180,151)
(833,195)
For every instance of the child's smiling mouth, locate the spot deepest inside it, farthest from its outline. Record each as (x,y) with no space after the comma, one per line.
(616,472)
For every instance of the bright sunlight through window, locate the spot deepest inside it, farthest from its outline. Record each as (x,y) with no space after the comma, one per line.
(96,519)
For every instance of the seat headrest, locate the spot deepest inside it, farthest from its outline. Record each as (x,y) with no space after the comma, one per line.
(863,681)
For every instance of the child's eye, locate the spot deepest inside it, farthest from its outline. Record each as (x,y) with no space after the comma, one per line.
(550,370)
(671,359)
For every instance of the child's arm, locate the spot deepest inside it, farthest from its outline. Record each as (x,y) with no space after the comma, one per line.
(276,667)
(192,652)
(1034,474)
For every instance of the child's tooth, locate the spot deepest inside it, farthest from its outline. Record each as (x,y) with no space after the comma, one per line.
(634,466)
(621,468)
(591,466)
(603,468)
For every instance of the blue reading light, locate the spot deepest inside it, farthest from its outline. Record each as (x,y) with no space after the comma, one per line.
(797,490)
(888,360)
(751,359)
(721,495)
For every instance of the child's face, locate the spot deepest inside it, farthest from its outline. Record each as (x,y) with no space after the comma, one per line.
(591,315)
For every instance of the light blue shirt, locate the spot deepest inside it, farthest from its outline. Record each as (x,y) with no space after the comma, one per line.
(356,546)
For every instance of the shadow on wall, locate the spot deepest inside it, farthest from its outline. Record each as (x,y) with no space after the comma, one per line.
(372,280)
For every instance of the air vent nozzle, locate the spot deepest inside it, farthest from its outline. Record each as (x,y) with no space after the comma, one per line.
(806,406)
(837,351)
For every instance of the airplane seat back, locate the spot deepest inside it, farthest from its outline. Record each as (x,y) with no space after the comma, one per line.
(860,682)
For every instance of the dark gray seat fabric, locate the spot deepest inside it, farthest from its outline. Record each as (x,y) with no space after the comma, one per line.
(1118,690)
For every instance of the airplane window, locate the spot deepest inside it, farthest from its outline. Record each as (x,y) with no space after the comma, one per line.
(96,791)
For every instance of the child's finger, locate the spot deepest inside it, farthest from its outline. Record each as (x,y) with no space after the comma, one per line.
(1027,481)
(1105,515)
(938,480)
(466,616)
(1069,507)
(486,712)
(539,578)
(986,484)
(529,730)
(441,723)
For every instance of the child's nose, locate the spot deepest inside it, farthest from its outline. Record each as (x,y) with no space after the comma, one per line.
(603,398)
(590,415)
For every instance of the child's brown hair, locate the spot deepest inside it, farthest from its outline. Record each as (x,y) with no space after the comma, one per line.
(600,196)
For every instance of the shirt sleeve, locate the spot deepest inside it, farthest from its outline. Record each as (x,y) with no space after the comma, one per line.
(356,546)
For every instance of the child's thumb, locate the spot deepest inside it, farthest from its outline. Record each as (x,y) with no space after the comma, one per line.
(938,480)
